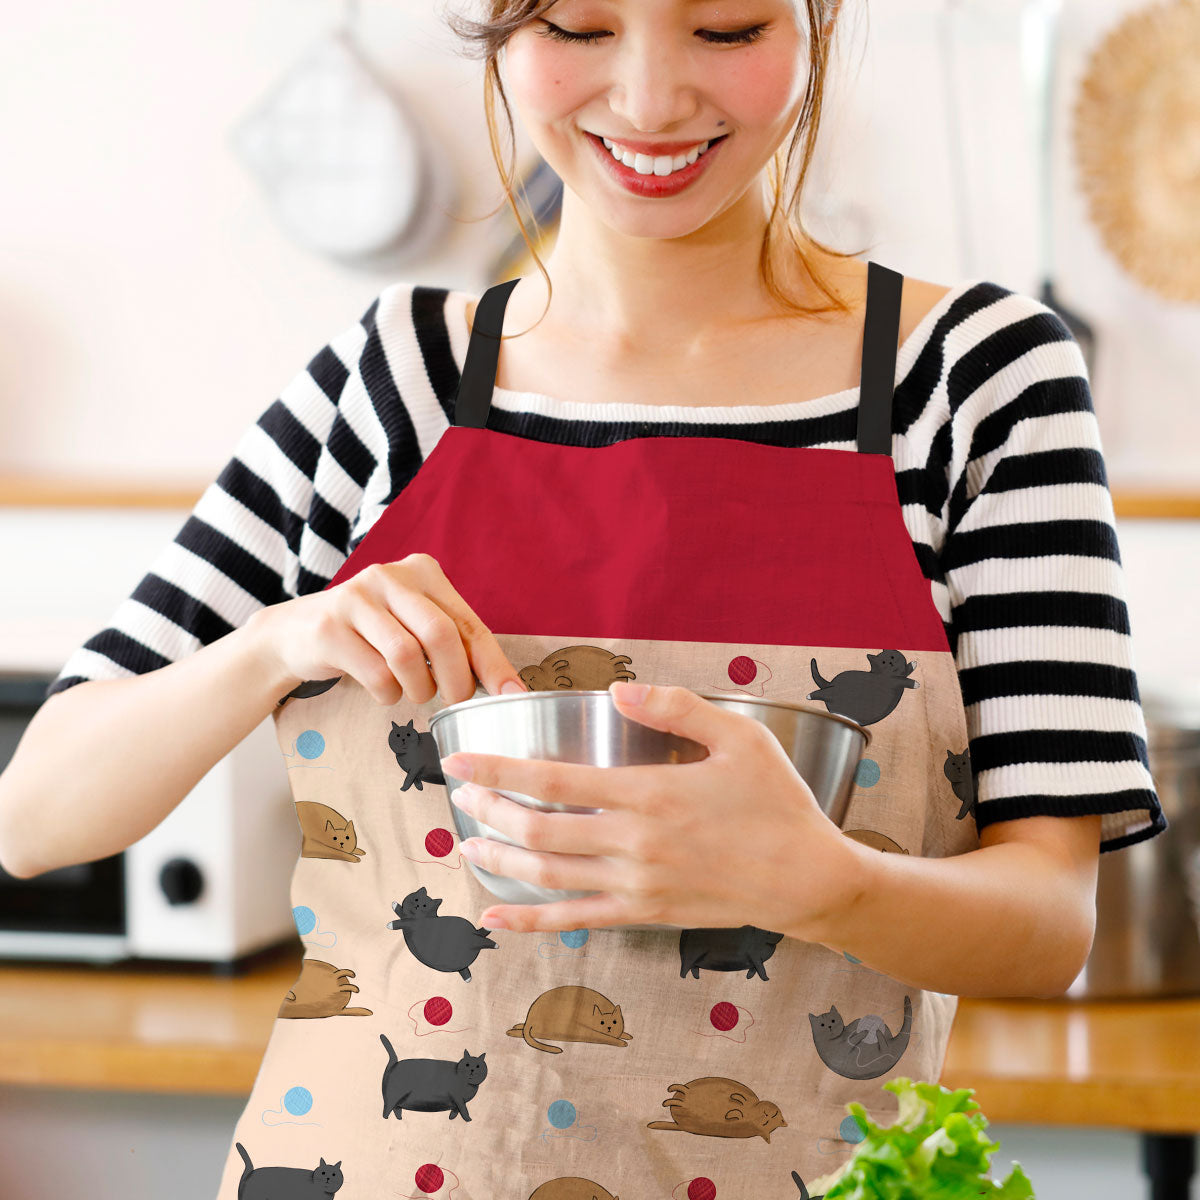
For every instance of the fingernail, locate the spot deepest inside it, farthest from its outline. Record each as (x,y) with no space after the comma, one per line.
(511,685)
(630,693)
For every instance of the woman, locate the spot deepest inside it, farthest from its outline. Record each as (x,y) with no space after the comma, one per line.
(690,491)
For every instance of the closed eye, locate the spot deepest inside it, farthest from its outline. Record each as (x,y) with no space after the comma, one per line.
(737,37)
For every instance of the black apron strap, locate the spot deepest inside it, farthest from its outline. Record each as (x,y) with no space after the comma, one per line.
(473,398)
(881,332)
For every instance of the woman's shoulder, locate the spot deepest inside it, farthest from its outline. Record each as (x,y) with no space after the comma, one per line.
(983,302)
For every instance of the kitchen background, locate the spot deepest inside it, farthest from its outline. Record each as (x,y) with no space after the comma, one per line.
(162,276)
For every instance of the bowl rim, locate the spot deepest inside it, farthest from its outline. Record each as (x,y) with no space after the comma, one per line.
(476,701)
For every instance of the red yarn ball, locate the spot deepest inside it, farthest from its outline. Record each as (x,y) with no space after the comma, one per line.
(437,1010)
(741,671)
(723,1015)
(429,1178)
(439,842)
(702,1189)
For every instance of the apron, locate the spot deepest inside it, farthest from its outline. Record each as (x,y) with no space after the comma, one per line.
(435,1058)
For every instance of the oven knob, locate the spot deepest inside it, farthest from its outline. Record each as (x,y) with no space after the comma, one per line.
(181,880)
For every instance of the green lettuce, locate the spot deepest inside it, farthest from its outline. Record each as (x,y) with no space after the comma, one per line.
(935,1150)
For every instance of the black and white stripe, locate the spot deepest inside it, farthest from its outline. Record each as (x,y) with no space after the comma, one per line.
(999,471)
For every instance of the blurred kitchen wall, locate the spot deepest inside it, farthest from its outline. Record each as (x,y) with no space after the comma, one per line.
(151,305)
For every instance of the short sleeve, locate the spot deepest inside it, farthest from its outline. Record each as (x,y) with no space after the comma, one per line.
(275,523)
(1041,633)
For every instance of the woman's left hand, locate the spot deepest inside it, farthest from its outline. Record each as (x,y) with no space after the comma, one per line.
(735,839)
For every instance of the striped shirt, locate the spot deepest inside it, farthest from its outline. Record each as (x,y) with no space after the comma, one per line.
(998,467)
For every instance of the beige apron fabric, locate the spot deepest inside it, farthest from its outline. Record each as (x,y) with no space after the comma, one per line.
(572,1100)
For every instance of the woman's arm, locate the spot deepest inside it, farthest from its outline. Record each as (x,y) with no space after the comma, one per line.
(1013,918)
(102,763)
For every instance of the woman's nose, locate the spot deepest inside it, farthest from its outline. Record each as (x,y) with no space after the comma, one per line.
(653,86)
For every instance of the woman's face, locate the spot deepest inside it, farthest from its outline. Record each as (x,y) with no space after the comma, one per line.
(666,75)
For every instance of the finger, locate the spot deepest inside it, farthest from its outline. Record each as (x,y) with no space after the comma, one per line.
(483,652)
(676,709)
(569,872)
(585,912)
(555,832)
(395,644)
(578,784)
(438,634)
(362,661)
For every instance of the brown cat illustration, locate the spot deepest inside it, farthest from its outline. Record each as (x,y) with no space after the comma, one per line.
(327,834)
(571,1187)
(586,668)
(720,1107)
(878,841)
(321,990)
(572,1013)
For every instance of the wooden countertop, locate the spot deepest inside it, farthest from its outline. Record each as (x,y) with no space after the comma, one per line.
(184,1029)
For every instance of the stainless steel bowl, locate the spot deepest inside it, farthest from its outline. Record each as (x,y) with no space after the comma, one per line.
(578,726)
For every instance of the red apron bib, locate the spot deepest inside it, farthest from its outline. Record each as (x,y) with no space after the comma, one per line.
(439,1059)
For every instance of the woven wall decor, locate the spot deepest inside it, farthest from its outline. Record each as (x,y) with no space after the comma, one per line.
(1137,145)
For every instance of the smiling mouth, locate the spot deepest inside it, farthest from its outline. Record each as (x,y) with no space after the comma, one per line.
(707,144)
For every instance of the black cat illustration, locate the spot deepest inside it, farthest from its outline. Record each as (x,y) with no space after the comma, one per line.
(288,1183)
(866,696)
(863,1048)
(309,688)
(745,948)
(417,752)
(957,769)
(431,1084)
(444,943)
(803,1190)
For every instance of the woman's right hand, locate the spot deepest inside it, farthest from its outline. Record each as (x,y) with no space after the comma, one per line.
(380,626)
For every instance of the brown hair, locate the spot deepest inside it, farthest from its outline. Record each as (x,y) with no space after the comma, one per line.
(504,17)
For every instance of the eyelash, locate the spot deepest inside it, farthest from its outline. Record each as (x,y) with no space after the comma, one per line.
(740,37)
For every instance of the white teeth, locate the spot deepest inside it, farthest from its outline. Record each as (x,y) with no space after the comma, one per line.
(646,164)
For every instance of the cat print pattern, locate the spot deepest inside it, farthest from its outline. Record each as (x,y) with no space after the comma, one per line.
(321,990)
(622,1010)
(866,696)
(288,1183)
(445,943)
(957,769)
(572,1188)
(863,1048)
(572,1013)
(431,1084)
(417,754)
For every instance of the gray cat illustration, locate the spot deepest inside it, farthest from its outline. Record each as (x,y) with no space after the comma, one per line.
(866,696)
(803,1190)
(444,943)
(417,752)
(862,1049)
(309,688)
(957,769)
(430,1084)
(288,1183)
(745,948)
